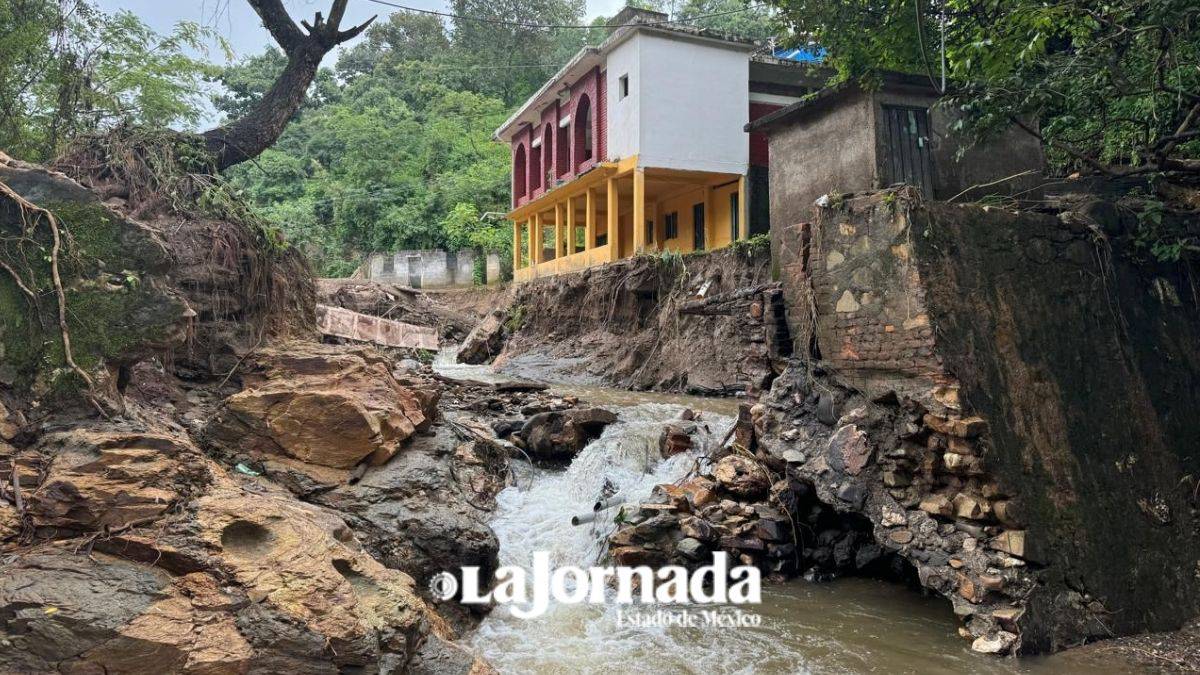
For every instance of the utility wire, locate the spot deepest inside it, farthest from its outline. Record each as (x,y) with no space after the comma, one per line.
(521,24)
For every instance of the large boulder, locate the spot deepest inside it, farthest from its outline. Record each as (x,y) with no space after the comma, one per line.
(742,476)
(250,580)
(558,435)
(485,340)
(321,404)
(420,512)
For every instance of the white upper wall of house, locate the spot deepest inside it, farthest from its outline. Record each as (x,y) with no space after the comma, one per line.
(624,112)
(688,101)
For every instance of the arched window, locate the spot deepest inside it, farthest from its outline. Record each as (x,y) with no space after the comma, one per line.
(519,170)
(548,156)
(583,131)
(535,169)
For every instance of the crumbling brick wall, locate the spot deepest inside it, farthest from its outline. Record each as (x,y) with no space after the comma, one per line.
(855,295)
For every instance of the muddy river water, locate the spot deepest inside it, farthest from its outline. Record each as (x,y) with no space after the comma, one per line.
(848,625)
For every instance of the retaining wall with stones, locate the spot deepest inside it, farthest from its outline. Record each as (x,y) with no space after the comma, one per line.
(1022,388)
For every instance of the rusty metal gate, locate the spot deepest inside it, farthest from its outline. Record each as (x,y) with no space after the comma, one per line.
(906,148)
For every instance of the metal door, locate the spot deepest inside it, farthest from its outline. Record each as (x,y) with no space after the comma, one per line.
(906,148)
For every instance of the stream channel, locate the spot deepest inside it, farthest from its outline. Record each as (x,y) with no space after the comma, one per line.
(849,625)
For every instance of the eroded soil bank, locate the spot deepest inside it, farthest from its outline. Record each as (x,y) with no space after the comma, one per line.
(699,324)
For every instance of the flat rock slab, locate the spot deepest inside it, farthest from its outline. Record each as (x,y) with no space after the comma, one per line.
(344,323)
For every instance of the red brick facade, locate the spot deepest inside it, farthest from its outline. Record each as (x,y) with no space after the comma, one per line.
(759,154)
(552,162)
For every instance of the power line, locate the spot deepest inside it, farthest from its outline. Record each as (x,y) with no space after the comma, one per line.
(520,24)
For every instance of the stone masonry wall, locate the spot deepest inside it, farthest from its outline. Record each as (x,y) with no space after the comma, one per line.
(1038,456)
(856,299)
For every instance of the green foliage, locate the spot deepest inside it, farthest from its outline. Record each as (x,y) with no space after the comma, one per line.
(398,153)
(1166,239)
(756,245)
(516,319)
(1114,85)
(67,69)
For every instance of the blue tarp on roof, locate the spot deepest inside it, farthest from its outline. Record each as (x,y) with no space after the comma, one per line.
(810,54)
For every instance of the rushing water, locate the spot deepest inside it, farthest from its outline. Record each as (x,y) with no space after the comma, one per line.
(846,626)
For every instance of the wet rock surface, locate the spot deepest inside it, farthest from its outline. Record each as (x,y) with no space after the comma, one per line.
(557,436)
(486,339)
(253,503)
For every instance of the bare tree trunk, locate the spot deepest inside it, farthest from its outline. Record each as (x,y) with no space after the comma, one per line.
(248,136)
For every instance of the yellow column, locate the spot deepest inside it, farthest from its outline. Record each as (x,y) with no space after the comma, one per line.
(589,220)
(614,232)
(570,225)
(516,245)
(743,210)
(535,240)
(559,250)
(653,211)
(639,210)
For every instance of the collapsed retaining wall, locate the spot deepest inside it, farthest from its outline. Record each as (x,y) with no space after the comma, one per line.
(1045,387)
(707,323)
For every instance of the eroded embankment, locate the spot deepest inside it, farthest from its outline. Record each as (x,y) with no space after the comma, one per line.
(1002,396)
(708,324)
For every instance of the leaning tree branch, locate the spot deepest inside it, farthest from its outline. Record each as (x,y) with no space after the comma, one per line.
(247,137)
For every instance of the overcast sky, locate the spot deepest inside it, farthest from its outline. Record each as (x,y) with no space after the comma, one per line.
(238,24)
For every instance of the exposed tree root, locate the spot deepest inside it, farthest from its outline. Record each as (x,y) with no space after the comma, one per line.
(38,212)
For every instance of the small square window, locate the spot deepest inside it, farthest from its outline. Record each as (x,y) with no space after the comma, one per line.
(622,87)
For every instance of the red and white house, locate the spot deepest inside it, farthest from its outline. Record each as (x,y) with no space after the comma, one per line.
(645,129)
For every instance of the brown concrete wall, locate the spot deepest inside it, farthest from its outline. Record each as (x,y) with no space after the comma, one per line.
(832,152)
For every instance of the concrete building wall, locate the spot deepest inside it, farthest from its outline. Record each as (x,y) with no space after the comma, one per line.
(1008,154)
(493,269)
(816,155)
(839,148)
(624,114)
(423,268)
(695,99)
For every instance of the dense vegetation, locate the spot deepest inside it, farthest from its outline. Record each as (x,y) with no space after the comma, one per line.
(1114,84)
(392,148)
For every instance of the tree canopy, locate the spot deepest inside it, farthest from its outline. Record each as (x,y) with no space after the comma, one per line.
(1109,86)
(67,68)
